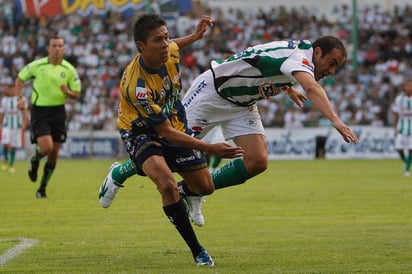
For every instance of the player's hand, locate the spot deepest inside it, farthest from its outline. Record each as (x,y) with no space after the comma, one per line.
(205,22)
(224,150)
(296,96)
(21,103)
(346,132)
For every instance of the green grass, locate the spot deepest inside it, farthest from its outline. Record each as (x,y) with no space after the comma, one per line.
(320,216)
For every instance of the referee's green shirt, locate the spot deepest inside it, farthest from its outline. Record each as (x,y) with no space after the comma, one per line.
(47,79)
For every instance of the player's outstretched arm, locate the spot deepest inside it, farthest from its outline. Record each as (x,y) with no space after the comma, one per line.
(321,101)
(204,23)
(172,135)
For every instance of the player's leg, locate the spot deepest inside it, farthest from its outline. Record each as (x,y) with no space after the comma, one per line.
(214,163)
(40,136)
(400,145)
(253,162)
(117,175)
(15,143)
(50,165)
(194,186)
(5,141)
(5,164)
(158,170)
(12,159)
(119,172)
(408,156)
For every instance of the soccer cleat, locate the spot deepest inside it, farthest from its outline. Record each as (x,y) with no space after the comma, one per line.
(12,170)
(41,193)
(109,188)
(34,166)
(194,208)
(406,172)
(203,258)
(4,166)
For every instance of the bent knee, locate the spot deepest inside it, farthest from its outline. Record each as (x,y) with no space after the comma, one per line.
(256,166)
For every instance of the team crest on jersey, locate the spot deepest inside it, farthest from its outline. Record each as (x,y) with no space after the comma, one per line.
(305,63)
(141,94)
(266,90)
(62,74)
(167,84)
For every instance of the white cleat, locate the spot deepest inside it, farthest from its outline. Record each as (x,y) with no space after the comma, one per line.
(109,188)
(194,208)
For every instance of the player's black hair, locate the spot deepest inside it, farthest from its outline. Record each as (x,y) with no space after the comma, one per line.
(54,36)
(145,24)
(328,43)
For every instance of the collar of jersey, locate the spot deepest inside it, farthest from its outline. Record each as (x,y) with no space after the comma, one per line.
(150,70)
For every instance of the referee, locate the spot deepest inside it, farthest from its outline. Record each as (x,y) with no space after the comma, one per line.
(54,80)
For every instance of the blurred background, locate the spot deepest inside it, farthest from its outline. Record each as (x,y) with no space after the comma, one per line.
(99,42)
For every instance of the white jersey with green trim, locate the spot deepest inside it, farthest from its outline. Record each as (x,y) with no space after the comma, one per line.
(403,106)
(261,71)
(13,117)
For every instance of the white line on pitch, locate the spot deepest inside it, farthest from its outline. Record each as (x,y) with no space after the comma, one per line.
(17,250)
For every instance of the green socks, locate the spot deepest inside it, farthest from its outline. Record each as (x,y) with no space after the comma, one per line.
(124,171)
(6,154)
(230,174)
(12,157)
(47,173)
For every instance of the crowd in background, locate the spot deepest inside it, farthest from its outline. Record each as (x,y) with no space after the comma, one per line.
(100,47)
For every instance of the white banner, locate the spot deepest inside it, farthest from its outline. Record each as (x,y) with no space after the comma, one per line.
(375,143)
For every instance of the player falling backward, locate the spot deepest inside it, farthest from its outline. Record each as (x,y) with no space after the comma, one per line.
(226,95)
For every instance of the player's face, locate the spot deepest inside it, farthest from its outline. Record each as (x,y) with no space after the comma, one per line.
(56,49)
(328,64)
(155,51)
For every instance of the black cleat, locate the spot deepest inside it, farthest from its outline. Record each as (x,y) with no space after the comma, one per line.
(34,166)
(41,193)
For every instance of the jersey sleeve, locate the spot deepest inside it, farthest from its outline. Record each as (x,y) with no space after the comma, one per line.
(300,60)
(74,82)
(27,72)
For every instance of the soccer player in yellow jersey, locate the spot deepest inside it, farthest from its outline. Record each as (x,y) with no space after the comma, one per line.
(54,80)
(152,125)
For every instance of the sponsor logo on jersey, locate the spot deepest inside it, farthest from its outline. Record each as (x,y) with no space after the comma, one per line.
(167,84)
(196,130)
(62,74)
(305,63)
(195,93)
(141,94)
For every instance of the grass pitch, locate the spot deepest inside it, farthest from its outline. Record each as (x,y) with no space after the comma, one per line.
(319,216)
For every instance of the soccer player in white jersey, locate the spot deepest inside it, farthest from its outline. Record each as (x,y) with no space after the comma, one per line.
(402,110)
(227,93)
(13,121)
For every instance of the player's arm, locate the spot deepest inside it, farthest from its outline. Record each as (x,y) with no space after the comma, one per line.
(18,85)
(320,100)
(201,28)
(172,135)
(395,121)
(69,93)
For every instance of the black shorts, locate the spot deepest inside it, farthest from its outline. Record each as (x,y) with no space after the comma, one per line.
(140,146)
(48,121)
